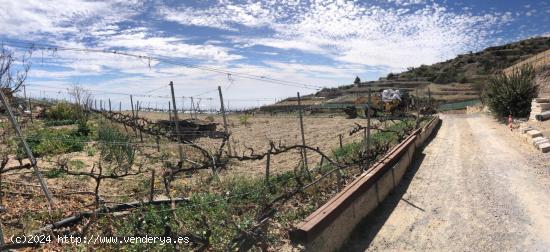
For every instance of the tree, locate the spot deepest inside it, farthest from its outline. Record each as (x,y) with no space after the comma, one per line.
(512,94)
(82,98)
(357,81)
(13,73)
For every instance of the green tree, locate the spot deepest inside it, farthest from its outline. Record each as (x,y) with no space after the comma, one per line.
(513,93)
(357,81)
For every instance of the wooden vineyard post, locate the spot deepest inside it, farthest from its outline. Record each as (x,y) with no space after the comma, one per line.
(224,119)
(27,150)
(2,243)
(29,102)
(368,129)
(169,111)
(417,109)
(136,118)
(110,105)
(119,106)
(137,109)
(158,144)
(192,112)
(340,140)
(429,97)
(304,151)
(30,110)
(101,105)
(267,162)
(133,113)
(152,191)
(176,120)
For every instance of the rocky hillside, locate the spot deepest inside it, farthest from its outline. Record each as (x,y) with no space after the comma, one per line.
(454,80)
(473,67)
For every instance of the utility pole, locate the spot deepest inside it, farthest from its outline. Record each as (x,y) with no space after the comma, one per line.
(28,151)
(180,149)
(224,119)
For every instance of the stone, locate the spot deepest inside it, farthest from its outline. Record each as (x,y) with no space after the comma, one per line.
(544,147)
(544,106)
(524,130)
(542,99)
(539,140)
(533,133)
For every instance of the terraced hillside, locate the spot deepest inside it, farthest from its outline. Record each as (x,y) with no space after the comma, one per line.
(454,80)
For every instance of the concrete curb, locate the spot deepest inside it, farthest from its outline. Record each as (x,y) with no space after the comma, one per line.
(329,227)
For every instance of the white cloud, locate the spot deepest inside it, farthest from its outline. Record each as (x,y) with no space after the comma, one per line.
(31,18)
(141,41)
(352,31)
(222,16)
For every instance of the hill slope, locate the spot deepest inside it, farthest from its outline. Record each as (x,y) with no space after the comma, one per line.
(453,80)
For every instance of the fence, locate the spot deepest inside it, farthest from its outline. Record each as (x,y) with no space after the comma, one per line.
(282,187)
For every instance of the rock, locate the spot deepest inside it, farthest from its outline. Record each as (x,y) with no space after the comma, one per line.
(545,147)
(533,133)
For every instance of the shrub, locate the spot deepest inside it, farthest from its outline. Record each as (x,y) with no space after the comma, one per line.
(62,111)
(90,151)
(115,147)
(49,141)
(50,123)
(54,173)
(243,120)
(512,94)
(83,128)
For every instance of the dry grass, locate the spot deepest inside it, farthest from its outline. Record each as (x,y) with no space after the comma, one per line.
(320,131)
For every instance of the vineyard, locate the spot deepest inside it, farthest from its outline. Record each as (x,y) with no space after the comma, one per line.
(136,173)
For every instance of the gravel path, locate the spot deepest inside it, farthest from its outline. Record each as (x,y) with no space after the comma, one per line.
(475,187)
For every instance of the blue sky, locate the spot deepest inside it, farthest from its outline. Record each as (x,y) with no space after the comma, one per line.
(319,43)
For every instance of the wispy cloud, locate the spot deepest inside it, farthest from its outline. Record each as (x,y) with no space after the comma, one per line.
(351,31)
(272,38)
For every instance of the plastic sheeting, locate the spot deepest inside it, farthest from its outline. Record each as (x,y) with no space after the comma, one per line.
(390,95)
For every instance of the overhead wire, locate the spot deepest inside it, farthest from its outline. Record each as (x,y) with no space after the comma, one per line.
(163,59)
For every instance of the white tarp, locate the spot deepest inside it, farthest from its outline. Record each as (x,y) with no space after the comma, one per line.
(390,95)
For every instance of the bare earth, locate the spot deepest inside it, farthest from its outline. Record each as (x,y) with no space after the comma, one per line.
(475,187)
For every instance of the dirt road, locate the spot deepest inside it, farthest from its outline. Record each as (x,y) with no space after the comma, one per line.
(472,189)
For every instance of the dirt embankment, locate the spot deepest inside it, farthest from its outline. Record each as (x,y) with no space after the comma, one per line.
(542,79)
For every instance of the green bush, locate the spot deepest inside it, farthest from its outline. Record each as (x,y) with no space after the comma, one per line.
(83,128)
(115,147)
(512,94)
(62,111)
(55,173)
(50,123)
(243,120)
(49,141)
